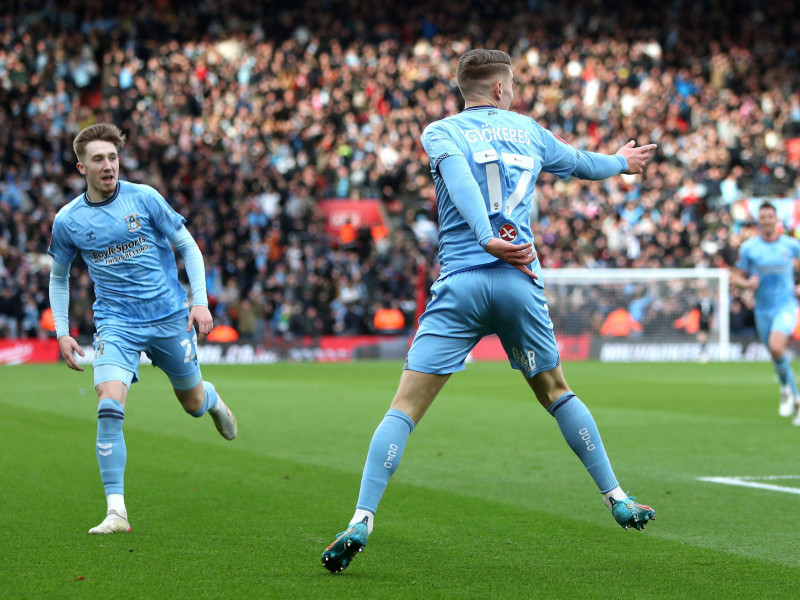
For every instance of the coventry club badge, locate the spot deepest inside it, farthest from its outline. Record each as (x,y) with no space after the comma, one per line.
(132,221)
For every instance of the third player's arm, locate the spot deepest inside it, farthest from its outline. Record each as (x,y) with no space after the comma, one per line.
(740,279)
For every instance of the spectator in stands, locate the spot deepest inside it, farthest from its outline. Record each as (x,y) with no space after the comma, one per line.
(245,122)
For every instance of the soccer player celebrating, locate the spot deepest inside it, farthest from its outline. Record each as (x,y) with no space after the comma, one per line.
(766,266)
(485,162)
(123,231)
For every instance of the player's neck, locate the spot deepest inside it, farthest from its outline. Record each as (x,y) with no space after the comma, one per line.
(770,238)
(479,102)
(96,196)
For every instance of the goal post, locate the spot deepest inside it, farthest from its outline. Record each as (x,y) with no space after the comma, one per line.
(642,314)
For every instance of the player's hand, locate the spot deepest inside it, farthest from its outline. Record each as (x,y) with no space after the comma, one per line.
(202,316)
(752,282)
(519,256)
(637,157)
(68,346)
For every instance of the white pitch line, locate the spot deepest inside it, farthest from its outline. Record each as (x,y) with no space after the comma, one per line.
(754,484)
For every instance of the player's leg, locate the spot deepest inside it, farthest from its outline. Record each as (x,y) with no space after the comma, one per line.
(526,332)
(115,368)
(174,351)
(448,330)
(415,394)
(776,337)
(581,434)
(702,339)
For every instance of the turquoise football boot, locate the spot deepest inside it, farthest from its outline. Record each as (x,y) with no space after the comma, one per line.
(347,544)
(630,514)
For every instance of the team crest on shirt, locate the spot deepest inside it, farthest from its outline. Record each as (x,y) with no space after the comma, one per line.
(507,232)
(132,221)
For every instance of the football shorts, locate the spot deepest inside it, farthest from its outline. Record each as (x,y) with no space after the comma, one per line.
(171,348)
(468,305)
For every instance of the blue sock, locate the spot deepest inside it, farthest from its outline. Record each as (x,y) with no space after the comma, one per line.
(580,431)
(785,373)
(111,452)
(209,402)
(383,457)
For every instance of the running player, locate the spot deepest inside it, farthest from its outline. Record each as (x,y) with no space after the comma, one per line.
(123,231)
(766,266)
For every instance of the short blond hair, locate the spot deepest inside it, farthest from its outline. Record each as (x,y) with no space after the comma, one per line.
(105,132)
(478,67)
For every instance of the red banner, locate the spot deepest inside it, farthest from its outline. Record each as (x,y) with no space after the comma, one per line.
(16,352)
(570,347)
(359,213)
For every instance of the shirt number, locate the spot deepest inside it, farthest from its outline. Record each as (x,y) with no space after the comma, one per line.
(512,161)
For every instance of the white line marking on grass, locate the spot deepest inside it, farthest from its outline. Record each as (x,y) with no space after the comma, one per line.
(752,482)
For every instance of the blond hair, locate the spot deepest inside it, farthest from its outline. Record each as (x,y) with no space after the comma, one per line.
(105,132)
(478,67)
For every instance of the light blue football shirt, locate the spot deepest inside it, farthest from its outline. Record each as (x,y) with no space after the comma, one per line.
(773,262)
(506,152)
(124,242)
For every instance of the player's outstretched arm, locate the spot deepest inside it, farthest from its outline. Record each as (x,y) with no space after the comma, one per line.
(519,256)
(637,156)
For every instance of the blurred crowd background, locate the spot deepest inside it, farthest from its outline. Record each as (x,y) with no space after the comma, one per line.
(245,114)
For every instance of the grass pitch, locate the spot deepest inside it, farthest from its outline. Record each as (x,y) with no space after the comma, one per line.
(489,501)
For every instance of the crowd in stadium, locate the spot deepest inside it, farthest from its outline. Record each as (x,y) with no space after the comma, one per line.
(244,115)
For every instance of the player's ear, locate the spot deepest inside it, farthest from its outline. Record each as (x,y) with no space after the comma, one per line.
(81,168)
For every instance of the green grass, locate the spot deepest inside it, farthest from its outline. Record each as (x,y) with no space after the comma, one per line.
(489,501)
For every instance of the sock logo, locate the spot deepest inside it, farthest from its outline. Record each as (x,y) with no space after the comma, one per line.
(390,456)
(587,438)
(104,449)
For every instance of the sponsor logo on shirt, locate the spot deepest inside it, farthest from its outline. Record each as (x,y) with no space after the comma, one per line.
(119,252)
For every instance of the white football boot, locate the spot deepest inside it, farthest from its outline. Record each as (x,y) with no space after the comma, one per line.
(113,523)
(788,401)
(224,420)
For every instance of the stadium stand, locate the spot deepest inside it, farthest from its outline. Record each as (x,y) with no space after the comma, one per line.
(246,115)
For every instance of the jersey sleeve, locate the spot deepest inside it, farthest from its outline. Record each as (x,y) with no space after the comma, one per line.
(165,218)
(795,248)
(745,262)
(560,158)
(439,144)
(61,247)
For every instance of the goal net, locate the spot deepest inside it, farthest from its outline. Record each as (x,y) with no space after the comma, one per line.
(643,314)
(635,315)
